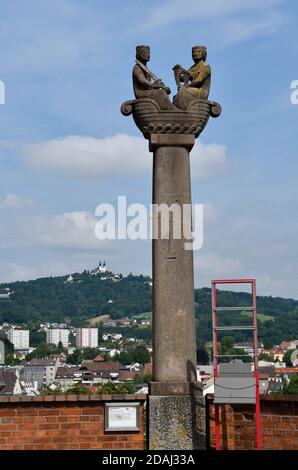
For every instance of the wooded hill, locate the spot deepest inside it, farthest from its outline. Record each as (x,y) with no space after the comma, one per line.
(53,299)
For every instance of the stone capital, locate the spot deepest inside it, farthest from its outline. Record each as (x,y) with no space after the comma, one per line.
(152,120)
(171,140)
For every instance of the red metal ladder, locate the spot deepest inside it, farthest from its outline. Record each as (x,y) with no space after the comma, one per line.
(216,356)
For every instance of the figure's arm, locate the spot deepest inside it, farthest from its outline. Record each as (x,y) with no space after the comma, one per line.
(199,80)
(139,74)
(181,74)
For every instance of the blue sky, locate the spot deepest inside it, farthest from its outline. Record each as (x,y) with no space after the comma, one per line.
(65,147)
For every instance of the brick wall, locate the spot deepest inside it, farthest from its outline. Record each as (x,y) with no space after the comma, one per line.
(63,422)
(279,417)
(77,422)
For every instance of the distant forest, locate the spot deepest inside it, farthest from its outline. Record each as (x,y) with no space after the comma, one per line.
(53,299)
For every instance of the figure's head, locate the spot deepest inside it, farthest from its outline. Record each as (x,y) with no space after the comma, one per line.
(199,53)
(143,53)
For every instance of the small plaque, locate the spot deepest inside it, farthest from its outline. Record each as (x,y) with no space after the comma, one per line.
(122,416)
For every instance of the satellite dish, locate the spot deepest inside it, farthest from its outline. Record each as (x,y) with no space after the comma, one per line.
(236,361)
(294,356)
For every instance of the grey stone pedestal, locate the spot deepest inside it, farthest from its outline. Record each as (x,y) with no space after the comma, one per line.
(176,422)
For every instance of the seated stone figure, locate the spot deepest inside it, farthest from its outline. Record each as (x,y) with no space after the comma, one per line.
(145,83)
(196,79)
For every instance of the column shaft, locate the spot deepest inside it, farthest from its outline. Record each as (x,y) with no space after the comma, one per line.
(174,338)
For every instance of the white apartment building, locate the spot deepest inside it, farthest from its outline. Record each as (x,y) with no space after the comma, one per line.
(87,337)
(19,338)
(55,335)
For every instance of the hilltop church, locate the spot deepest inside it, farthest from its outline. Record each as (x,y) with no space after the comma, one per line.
(101,269)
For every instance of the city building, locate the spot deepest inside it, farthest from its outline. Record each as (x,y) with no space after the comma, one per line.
(69,279)
(9,382)
(87,337)
(57,335)
(40,371)
(19,338)
(94,373)
(204,373)
(68,376)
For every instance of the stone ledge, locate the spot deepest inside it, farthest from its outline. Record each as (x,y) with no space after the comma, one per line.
(286,398)
(13,399)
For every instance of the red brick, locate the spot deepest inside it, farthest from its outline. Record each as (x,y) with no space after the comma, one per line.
(92,411)
(70,411)
(8,427)
(18,440)
(52,419)
(35,419)
(27,411)
(70,426)
(46,426)
(48,412)
(7,412)
(84,418)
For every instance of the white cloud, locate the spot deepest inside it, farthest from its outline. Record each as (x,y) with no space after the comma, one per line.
(89,157)
(70,230)
(207,160)
(14,201)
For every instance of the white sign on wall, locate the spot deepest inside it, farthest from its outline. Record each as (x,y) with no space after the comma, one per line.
(122,416)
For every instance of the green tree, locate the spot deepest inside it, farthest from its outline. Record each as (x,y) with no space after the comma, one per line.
(141,355)
(37,337)
(60,348)
(292,387)
(265,357)
(115,388)
(75,358)
(53,391)
(268,343)
(202,356)
(287,358)
(43,350)
(72,339)
(78,389)
(90,353)
(227,343)
(142,378)
(125,357)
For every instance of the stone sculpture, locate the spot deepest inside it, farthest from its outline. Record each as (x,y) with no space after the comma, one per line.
(196,80)
(145,83)
(176,403)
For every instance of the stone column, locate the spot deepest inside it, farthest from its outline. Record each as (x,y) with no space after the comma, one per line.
(176,409)
(174,350)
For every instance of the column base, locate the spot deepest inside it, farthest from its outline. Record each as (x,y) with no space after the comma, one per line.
(176,421)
